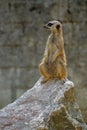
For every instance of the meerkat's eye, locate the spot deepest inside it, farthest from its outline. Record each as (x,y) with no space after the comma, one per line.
(57,26)
(50,24)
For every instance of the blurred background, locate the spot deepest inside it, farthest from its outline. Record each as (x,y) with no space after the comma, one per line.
(23,39)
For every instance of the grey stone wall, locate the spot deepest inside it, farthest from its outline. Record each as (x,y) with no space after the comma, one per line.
(23,39)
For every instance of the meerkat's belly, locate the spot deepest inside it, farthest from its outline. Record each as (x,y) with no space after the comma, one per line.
(52,47)
(54,67)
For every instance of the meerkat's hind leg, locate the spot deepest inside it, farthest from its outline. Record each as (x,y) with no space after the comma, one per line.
(62,73)
(44,73)
(64,77)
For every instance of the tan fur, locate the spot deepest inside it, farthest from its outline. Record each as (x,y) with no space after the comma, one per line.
(53,64)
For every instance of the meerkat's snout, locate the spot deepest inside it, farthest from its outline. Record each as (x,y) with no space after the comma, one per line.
(45,26)
(48,25)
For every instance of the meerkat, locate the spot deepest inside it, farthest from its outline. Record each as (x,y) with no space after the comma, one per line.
(53,64)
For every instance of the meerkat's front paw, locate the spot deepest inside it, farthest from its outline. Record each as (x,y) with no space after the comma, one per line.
(43,80)
(63,80)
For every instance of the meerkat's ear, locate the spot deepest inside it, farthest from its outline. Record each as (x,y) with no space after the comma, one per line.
(57,26)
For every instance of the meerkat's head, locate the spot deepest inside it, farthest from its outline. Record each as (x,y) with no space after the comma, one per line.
(53,26)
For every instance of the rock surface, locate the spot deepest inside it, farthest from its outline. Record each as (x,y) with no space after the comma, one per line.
(49,106)
(23,39)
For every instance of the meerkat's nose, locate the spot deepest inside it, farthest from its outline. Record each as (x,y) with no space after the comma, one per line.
(45,26)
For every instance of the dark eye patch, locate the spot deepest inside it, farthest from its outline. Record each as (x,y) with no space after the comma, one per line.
(50,24)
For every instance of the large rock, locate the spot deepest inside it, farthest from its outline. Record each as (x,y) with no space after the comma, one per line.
(49,106)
